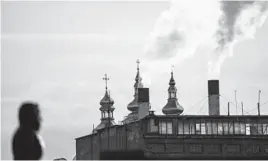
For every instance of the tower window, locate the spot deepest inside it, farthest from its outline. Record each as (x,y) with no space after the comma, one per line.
(173,95)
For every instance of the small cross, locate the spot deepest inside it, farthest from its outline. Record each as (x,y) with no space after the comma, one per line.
(138,62)
(106,79)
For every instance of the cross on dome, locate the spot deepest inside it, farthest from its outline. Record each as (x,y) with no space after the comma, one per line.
(138,62)
(105,79)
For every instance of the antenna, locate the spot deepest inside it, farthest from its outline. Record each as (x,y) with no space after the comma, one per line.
(235,102)
(259,100)
(242,108)
(109,108)
(109,119)
(228,108)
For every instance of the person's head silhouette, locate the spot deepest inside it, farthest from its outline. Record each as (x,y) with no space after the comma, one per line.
(29,116)
(26,144)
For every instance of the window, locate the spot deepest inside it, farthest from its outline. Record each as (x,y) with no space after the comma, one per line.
(186,128)
(105,114)
(209,128)
(260,129)
(169,128)
(214,128)
(247,129)
(237,128)
(252,148)
(231,127)
(220,128)
(198,128)
(254,129)
(203,128)
(172,95)
(152,126)
(265,129)
(243,128)
(225,128)
(163,128)
(166,127)
(180,127)
(192,128)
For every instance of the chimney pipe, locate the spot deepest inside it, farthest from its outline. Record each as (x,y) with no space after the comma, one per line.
(143,102)
(213,97)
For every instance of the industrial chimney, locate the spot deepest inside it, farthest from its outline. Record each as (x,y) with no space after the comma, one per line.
(213,97)
(144,102)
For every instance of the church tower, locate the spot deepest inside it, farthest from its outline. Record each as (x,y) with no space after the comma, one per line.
(172,107)
(107,109)
(133,106)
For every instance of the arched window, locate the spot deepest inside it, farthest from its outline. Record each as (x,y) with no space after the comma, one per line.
(173,95)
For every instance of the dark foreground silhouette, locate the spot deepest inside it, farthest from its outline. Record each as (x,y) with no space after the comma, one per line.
(26,144)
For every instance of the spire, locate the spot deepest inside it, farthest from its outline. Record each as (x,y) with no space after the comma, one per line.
(138,78)
(132,106)
(106,108)
(172,107)
(172,81)
(106,99)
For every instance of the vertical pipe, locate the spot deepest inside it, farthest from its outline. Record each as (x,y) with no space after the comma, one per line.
(242,108)
(258,109)
(235,103)
(259,97)
(228,108)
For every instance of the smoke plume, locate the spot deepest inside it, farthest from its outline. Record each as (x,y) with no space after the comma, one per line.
(215,25)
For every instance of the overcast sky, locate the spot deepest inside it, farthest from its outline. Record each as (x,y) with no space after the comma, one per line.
(56,53)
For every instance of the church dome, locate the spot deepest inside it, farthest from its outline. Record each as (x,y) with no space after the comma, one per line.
(133,105)
(172,107)
(106,99)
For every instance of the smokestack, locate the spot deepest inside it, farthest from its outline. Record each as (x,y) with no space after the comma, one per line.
(144,102)
(143,95)
(213,97)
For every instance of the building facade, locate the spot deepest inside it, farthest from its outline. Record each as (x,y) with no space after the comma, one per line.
(144,135)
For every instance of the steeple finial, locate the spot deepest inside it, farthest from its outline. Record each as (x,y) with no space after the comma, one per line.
(172,81)
(172,69)
(105,79)
(138,63)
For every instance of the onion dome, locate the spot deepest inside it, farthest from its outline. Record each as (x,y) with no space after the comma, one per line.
(172,107)
(106,99)
(133,105)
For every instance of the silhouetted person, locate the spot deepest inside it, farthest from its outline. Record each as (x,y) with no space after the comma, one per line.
(26,144)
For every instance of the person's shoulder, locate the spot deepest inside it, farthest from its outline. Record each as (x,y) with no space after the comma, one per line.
(24,134)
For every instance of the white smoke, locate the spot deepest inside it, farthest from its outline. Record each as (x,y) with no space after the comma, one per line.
(239,21)
(188,25)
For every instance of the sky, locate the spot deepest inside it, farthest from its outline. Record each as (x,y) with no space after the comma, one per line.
(56,53)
